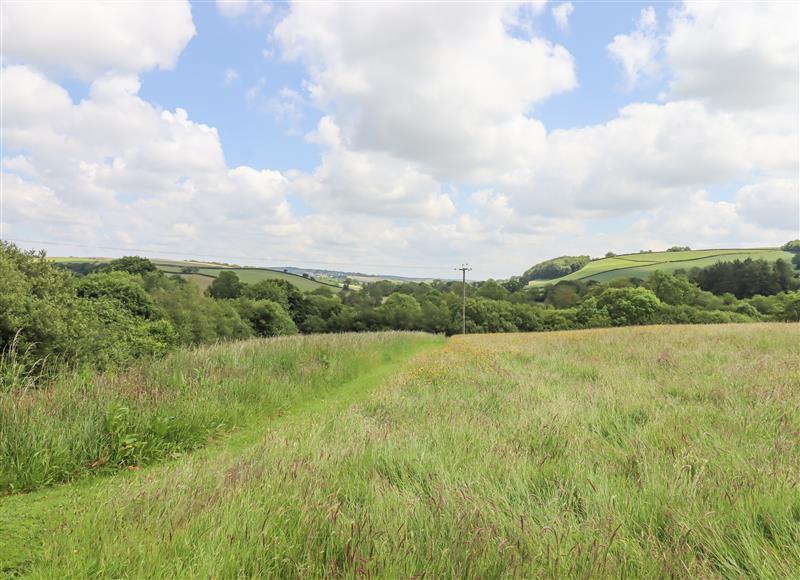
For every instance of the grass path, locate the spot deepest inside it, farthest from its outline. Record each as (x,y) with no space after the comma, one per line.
(28,520)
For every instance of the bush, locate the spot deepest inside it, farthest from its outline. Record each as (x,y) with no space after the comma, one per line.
(266,318)
(629,306)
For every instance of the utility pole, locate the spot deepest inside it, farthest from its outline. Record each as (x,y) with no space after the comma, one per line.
(464,269)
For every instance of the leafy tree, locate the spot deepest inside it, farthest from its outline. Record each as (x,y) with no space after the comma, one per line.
(792,246)
(485,315)
(555,268)
(563,295)
(672,289)
(790,307)
(267,318)
(130,264)
(492,290)
(123,287)
(679,249)
(629,306)
(399,311)
(225,286)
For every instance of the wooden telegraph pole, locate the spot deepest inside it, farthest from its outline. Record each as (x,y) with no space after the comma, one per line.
(464,269)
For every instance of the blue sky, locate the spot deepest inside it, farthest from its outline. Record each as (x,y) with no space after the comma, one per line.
(397,137)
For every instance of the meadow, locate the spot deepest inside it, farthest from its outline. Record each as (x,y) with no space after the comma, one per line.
(634,452)
(641,265)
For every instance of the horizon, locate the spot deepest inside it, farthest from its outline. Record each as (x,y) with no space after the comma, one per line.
(319,136)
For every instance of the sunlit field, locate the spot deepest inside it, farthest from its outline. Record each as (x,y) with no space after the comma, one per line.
(638,452)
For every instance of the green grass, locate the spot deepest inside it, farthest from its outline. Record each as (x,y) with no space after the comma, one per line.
(631,452)
(642,265)
(87,423)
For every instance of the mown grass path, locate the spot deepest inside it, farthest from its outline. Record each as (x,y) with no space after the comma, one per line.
(29,521)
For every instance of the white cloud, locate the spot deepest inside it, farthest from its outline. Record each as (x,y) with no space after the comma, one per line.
(406,125)
(231,76)
(96,38)
(419,99)
(133,167)
(638,51)
(736,55)
(561,14)
(772,204)
(371,183)
(256,10)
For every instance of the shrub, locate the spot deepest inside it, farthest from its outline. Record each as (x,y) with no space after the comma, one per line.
(629,306)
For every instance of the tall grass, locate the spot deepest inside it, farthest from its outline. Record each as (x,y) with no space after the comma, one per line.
(633,452)
(84,422)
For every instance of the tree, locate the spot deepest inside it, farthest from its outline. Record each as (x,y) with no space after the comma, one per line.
(555,268)
(130,264)
(792,246)
(563,295)
(123,287)
(267,318)
(399,311)
(225,286)
(492,290)
(672,289)
(629,306)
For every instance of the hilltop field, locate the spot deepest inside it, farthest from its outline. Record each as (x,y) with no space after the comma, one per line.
(641,265)
(627,452)
(203,273)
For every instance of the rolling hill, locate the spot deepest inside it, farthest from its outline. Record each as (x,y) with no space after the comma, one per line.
(641,265)
(206,272)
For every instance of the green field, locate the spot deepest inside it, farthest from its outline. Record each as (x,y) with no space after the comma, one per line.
(630,452)
(644,264)
(208,271)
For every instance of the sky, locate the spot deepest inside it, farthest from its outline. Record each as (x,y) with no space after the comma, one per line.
(398,138)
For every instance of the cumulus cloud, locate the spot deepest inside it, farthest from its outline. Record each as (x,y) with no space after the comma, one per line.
(96,37)
(113,155)
(561,14)
(735,55)
(373,183)
(256,10)
(638,51)
(772,204)
(455,99)
(408,126)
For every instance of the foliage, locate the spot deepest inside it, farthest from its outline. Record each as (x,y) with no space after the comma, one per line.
(129,264)
(555,268)
(746,278)
(226,286)
(629,306)
(266,318)
(792,246)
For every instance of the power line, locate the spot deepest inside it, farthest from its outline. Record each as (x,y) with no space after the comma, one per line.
(273,259)
(464,269)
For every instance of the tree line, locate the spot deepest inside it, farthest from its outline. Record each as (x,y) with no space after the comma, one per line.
(112,313)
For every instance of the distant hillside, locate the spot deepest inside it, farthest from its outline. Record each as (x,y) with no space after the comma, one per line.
(555,268)
(203,273)
(641,265)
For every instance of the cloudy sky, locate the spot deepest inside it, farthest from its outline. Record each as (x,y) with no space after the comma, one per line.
(398,138)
